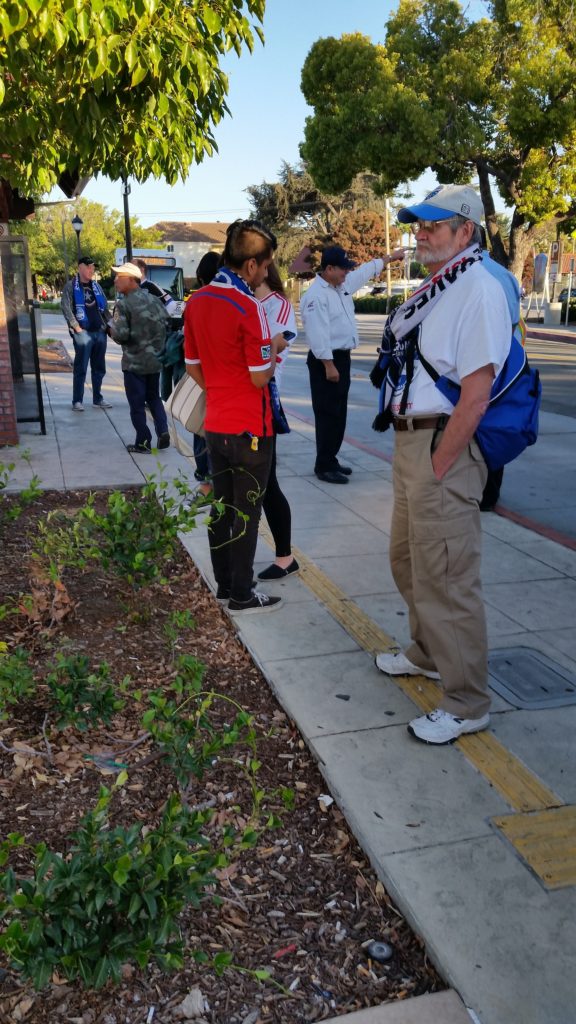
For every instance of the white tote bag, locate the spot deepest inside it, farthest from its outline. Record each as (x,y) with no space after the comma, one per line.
(187,404)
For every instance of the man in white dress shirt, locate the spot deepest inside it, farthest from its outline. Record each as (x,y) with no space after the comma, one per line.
(327,311)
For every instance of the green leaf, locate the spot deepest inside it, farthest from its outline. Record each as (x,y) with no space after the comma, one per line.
(138,75)
(131,54)
(211,19)
(83,24)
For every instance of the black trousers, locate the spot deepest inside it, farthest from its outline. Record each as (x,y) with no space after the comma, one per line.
(239,479)
(330,405)
(277,511)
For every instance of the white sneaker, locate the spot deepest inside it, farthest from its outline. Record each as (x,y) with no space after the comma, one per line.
(441,727)
(103,404)
(399,665)
(77,407)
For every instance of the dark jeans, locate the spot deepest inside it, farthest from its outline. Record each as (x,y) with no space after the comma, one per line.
(89,348)
(239,479)
(202,471)
(142,389)
(277,511)
(330,405)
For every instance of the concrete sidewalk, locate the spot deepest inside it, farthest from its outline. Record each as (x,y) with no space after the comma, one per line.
(449,829)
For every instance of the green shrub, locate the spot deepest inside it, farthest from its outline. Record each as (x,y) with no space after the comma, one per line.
(13,510)
(82,697)
(376,304)
(136,537)
(571,312)
(16,678)
(113,898)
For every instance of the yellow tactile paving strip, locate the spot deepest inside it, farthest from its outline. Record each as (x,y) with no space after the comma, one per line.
(549,848)
(546,841)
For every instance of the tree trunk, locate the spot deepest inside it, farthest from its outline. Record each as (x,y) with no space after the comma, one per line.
(492,227)
(521,241)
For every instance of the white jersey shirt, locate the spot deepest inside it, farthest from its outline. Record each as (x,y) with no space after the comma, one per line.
(468,328)
(328,312)
(281,318)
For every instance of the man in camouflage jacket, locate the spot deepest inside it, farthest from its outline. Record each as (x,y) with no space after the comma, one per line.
(139,325)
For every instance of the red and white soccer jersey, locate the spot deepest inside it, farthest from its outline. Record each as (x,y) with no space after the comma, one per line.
(281,317)
(226,332)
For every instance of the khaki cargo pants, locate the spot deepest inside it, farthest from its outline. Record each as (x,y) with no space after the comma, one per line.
(435,548)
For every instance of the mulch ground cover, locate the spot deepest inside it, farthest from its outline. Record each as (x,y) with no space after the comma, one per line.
(299,907)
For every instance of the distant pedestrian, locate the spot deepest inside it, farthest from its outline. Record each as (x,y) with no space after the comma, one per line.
(139,325)
(327,311)
(85,308)
(457,323)
(281,320)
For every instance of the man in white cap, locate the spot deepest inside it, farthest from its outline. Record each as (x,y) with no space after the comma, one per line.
(139,325)
(458,325)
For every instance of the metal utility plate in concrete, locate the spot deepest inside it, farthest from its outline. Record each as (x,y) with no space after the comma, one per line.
(529,679)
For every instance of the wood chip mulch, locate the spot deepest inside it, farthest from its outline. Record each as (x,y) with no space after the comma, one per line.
(301,905)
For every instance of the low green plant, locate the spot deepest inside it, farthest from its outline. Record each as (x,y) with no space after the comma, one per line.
(113,898)
(82,697)
(185,732)
(135,537)
(16,678)
(175,625)
(22,499)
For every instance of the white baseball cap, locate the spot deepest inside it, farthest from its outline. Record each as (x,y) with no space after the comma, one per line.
(444,202)
(129,270)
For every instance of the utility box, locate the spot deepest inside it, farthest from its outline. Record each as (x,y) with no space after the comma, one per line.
(553,314)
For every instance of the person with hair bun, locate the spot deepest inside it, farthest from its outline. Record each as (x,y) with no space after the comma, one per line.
(229,352)
(281,319)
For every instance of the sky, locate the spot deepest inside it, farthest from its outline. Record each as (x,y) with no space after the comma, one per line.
(266,121)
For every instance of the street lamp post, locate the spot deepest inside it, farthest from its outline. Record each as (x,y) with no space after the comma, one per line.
(77,224)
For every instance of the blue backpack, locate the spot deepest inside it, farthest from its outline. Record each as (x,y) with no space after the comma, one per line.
(510,423)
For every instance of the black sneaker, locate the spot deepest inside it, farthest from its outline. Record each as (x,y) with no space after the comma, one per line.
(139,449)
(223,592)
(259,602)
(163,440)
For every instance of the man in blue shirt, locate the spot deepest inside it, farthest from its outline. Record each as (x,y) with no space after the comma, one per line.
(85,308)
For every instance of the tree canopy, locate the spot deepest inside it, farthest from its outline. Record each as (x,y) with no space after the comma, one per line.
(123,88)
(495,98)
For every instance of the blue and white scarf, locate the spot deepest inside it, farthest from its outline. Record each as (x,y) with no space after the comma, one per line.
(79,306)
(401,330)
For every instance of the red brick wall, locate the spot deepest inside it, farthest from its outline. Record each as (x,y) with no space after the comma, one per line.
(8,427)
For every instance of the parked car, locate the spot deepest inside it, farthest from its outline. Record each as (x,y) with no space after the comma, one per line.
(564,294)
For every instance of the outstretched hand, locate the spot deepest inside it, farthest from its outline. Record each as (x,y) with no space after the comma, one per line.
(397,254)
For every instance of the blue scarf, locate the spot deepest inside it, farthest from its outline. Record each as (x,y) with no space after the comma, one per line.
(79,300)
(227,276)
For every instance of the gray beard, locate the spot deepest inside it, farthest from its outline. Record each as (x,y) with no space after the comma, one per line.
(428,258)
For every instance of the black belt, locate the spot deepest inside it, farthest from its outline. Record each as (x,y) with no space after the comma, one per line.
(421,423)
